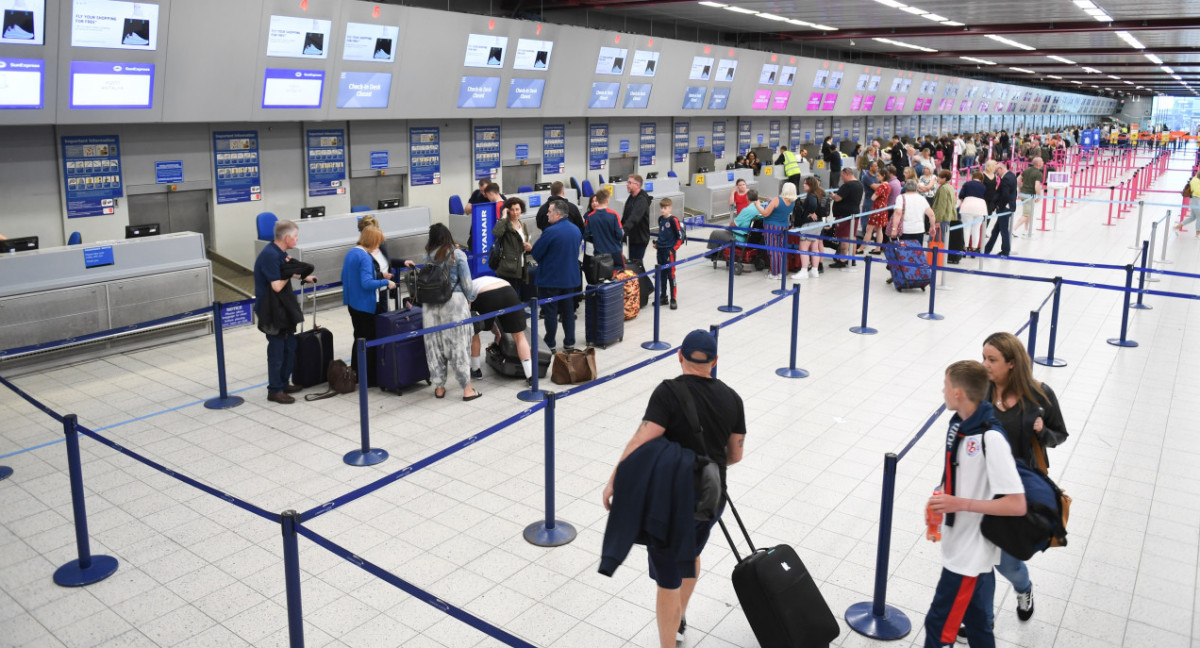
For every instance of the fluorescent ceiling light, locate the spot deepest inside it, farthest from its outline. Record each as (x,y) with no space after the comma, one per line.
(913,10)
(903,44)
(977,60)
(718,5)
(1091,70)
(891,3)
(1077,82)
(1013,43)
(801,23)
(1128,38)
(1113,76)
(1129,82)
(1153,59)
(1085,4)
(1167,69)
(1022,70)
(1102,17)
(1061,60)
(771,16)
(742,10)
(953,23)
(1053,76)
(934,17)
(825,28)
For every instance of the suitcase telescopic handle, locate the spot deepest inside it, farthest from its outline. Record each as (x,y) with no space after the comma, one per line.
(742,525)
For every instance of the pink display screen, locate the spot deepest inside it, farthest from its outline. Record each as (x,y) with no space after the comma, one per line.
(761,99)
(830,101)
(780,100)
(814,101)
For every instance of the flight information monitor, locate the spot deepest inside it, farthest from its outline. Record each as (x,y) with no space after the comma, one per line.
(485,51)
(370,43)
(96,84)
(294,37)
(24,22)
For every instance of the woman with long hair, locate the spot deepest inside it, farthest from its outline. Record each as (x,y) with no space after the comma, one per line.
(362,281)
(877,222)
(513,238)
(450,349)
(808,213)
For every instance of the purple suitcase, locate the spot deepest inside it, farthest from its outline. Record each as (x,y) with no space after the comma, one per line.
(916,272)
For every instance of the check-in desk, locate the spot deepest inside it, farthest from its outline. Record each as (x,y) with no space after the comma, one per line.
(64,293)
(460,226)
(658,189)
(709,192)
(324,242)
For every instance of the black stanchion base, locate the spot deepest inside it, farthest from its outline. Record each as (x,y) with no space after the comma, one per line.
(930,316)
(729,309)
(1136,306)
(368,458)
(892,625)
(229,402)
(1046,361)
(72,575)
(5,472)
(531,395)
(788,372)
(538,534)
(863,330)
(656,345)
(1122,343)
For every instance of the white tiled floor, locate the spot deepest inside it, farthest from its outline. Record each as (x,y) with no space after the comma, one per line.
(197,571)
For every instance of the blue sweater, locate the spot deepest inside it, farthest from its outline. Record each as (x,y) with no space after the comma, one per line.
(557,254)
(604,229)
(360,288)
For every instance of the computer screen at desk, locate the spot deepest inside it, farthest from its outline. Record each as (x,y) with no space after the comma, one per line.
(23,244)
(389,203)
(140,231)
(312,212)
(542,186)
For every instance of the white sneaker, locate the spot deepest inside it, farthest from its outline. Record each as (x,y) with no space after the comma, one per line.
(813,273)
(799,275)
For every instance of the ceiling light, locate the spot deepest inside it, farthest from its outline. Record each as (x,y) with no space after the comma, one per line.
(953,23)
(1053,76)
(1167,70)
(1007,41)
(771,16)
(1077,82)
(718,5)
(903,44)
(934,17)
(977,60)
(801,23)
(1129,82)
(1153,59)
(1062,60)
(825,28)
(1128,38)
(891,3)
(1022,70)
(1085,4)
(913,10)
(1102,17)
(1091,70)
(1113,76)
(742,10)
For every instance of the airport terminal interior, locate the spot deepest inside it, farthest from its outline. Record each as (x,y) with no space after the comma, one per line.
(147,160)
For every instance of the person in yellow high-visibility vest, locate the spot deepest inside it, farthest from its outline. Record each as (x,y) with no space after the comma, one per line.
(791,167)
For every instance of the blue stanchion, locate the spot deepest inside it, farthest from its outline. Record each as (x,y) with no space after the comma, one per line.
(5,472)
(1142,281)
(933,270)
(1031,346)
(86,569)
(365,455)
(863,329)
(1124,341)
(783,277)
(224,401)
(549,532)
(791,371)
(656,344)
(534,393)
(291,579)
(729,307)
(875,618)
(1049,360)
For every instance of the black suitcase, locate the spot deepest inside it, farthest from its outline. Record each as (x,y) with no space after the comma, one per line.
(400,364)
(314,350)
(645,284)
(502,356)
(779,597)
(604,314)
(957,241)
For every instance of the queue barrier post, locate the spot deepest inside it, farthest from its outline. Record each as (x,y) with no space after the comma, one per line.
(86,569)
(5,472)
(791,371)
(656,344)
(1124,341)
(863,329)
(1111,193)
(1137,233)
(224,401)
(1162,260)
(729,307)
(875,618)
(1031,346)
(783,275)
(1142,280)
(291,576)
(1149,262)
(549,532)
(933,272)
(365,455)
(1049,360)
(534,393)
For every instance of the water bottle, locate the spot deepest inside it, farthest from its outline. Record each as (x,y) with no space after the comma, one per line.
(933,522)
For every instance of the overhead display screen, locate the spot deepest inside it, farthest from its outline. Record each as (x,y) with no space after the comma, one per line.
(726,70)
(719,99)
(701,68)
(693,99)
(787,76)
(637,95)
(96,84)
(485,51)
(532,54)
(292,88)
(645,63)
(526,93)
(24,22)
(293,37)
(112,24)
(768,75)
(611,60)
(604,95)
(364,89)
(370,43)
(478,92)
(21,83)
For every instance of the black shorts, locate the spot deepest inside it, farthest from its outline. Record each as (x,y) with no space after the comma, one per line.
(495,299)
(667,570)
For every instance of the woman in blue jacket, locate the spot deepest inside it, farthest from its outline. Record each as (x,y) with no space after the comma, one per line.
(361,283)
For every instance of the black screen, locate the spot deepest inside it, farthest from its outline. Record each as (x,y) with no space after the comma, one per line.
(389,203)
(22,244)
(141,231)
(312,212)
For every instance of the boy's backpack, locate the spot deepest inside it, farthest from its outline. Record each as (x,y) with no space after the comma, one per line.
(433,282)
(1187,189)
(1044,524)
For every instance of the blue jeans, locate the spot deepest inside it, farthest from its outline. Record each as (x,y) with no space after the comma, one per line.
(961,600)
(552,312)
(281,357)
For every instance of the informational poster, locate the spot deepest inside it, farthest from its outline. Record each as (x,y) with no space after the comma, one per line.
(111,24)
(787,76)
(774,133)
(424,156)
(604,95)
(693,97)
(768,75)
(819,127)
(296,37)
(835,80)
(485,51)
(168,171)
(906,86)
(236,161)
(822,79)
(326,150)
(900,101)
(554,148)
(487,152)
(238,314)
(478,92)
(381,160)
(292,88)
(364,89)
(98,257)
(525,93)
(744,138)
(863,80)
(611,60)
(22,83)
(645,63)
(521,151)
(24,22)
(794,140)
(104,85)
(890,105)
(836,129)
(532,54)
(762,98)
(814,101)
(873,85)
(896,83)
(719,99)
(718,139)
(597,146)
(92,173)
(637,95)
(682,137)
(647,143)
(377,43)
(779,100)
(726,70)
(702,68)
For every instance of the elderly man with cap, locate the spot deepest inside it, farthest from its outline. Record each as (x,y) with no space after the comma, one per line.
(668,441)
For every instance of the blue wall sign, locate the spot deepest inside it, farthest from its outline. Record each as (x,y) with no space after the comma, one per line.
(554,148)
(718,139)
(168,172)
(326,162)
(239,314)
(380,160)
(425,156)
(92,173)
(487,152)
(236,162)
(98,256)
(682,138)
(597,146)
(648,143)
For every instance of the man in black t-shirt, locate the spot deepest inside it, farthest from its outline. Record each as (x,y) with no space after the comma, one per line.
(721,416)
(846,202)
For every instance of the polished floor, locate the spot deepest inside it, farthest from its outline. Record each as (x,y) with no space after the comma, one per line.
(198,571)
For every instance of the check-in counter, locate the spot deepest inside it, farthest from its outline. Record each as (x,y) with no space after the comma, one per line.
(460,226)
(68,292)
(709,192)
(658,189)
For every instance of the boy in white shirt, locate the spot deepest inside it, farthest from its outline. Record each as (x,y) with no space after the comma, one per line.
(974,483)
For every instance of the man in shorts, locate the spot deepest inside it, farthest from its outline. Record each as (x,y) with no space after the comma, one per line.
(846,202)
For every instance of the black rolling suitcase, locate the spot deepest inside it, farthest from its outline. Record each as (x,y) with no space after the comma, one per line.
(604,314)
(957,241)
(314,350)
(503,359)
(400,364)
(779,597)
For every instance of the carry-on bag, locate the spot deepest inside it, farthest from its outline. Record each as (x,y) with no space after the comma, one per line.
(573,366)
(916,272)
(400,364)
(779,596)
(604,314)
(503,359)
(645,283)
(314,349)
(633,298)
